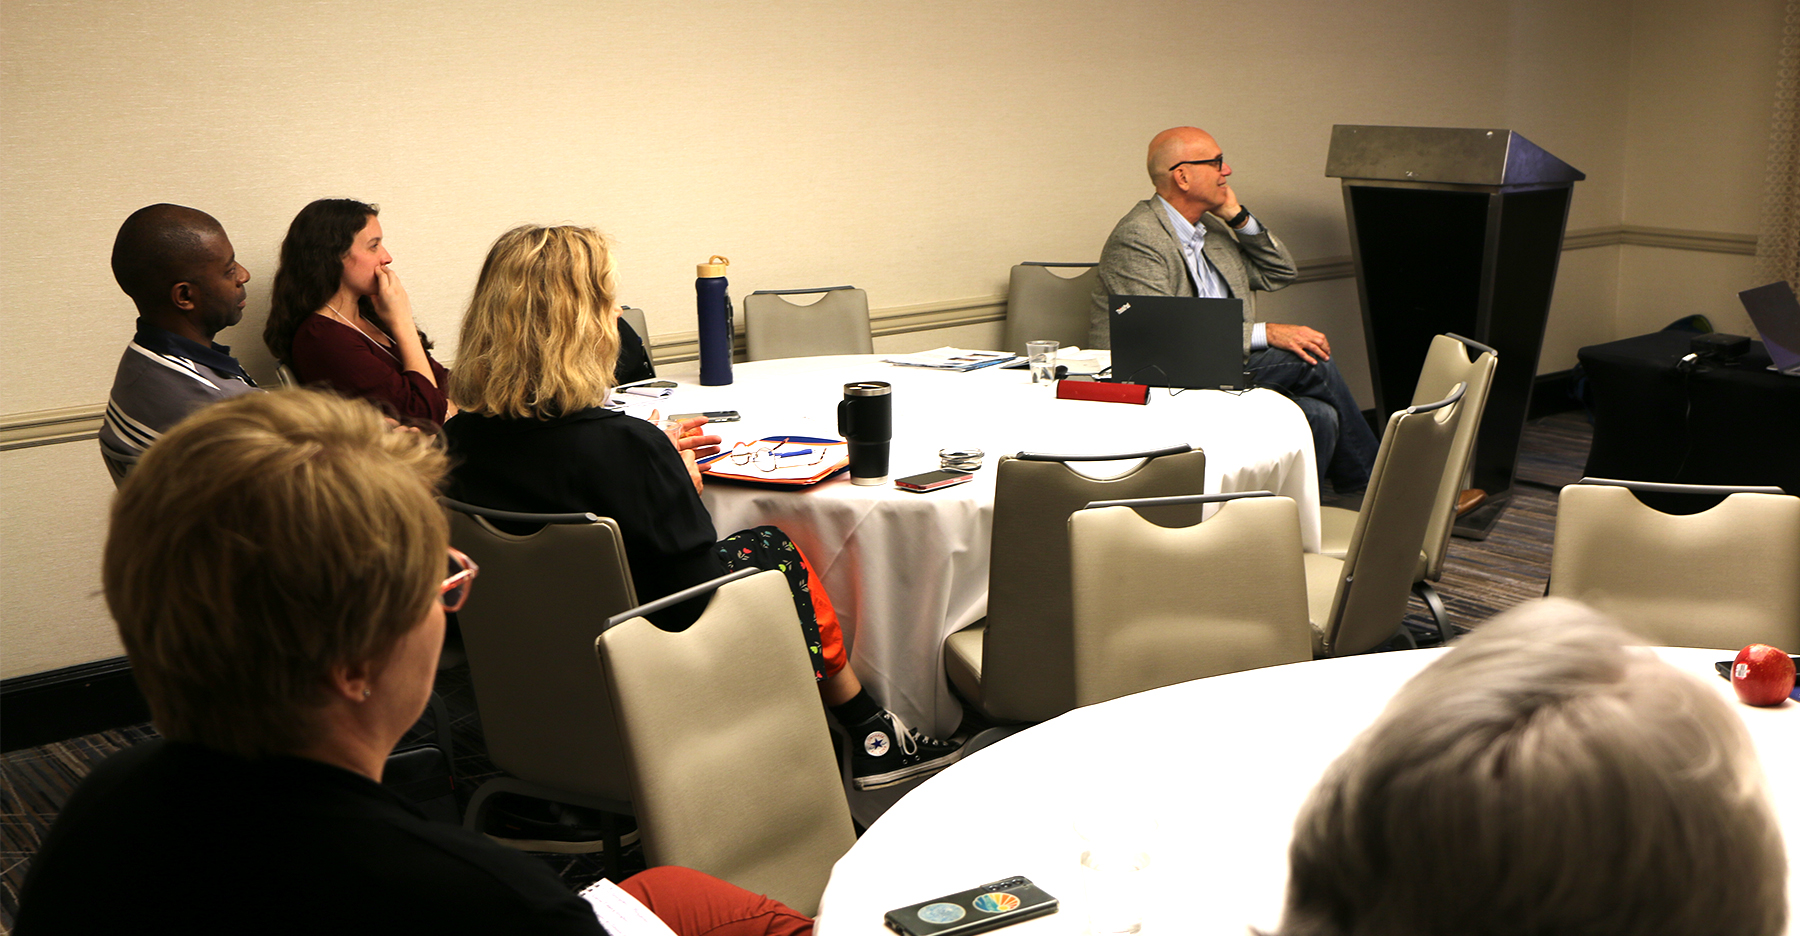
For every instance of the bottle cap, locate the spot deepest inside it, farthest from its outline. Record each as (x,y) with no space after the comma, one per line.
(714,267)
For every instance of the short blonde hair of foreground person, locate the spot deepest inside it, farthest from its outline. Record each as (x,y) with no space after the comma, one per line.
(261,543)
(542,334)
(1542,778)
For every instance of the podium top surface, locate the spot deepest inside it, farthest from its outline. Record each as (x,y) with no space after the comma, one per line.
(1443,155)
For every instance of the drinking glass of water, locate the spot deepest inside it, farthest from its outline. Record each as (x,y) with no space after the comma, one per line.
(1042,355)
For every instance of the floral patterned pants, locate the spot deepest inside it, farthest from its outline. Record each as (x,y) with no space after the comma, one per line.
(767,548)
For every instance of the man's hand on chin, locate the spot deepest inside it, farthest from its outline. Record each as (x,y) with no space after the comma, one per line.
(1309,345)
(1228,208)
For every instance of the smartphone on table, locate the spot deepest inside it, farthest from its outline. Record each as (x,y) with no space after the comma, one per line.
(933,480)
(976,910)
(655,389)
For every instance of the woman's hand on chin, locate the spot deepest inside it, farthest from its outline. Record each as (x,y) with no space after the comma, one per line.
(391,301)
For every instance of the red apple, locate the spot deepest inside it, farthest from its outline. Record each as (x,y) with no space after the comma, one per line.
(1762,675)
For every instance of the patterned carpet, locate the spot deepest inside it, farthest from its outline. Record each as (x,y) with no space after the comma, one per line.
(1481,578)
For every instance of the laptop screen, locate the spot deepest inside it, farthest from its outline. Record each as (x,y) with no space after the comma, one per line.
(1178,341)
(1777,316)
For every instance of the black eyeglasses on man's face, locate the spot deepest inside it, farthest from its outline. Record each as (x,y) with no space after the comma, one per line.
(1217,162)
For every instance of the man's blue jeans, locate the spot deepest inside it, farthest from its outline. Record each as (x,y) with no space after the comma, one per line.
(1345,445)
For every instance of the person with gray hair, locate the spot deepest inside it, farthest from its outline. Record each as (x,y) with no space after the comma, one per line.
(1543,777)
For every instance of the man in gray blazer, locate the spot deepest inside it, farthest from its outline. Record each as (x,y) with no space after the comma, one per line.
(1193,238)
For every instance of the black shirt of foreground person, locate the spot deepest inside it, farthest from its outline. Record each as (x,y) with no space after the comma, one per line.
(605,462)
(168,831)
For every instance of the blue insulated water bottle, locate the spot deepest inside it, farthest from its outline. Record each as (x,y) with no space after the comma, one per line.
(715,322)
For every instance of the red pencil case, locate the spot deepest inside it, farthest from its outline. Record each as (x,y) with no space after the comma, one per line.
(1102,392)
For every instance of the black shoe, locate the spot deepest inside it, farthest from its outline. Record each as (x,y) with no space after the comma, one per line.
(533,824)
(884,752)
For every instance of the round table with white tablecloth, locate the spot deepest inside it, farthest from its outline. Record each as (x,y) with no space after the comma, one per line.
(905,570)
(1219,767)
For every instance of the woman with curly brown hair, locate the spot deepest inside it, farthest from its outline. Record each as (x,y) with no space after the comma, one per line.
(339,317)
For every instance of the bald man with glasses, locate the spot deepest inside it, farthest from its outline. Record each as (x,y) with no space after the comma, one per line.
(1193,238)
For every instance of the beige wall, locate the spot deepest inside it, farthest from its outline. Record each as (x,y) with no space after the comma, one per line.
(51,611)
(1702,94)
(917,150)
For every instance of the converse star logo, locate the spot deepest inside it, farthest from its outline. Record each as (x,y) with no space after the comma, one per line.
(876,743)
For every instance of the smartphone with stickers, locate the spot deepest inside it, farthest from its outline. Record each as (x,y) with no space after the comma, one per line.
(976,910)
(933,480)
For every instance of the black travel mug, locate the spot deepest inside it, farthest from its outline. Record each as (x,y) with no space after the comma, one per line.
(866,421)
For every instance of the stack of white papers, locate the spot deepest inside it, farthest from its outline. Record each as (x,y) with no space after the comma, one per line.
(955,359)
(1078,361)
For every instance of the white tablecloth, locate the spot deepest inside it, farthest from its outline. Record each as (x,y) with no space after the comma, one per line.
(906,570)
(1221,766)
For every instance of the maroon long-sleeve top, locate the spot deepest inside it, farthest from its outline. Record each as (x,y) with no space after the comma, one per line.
(332,354)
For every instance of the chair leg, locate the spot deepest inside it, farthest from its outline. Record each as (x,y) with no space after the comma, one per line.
(610,831)
(988,736)
(1439,614)
(440,716)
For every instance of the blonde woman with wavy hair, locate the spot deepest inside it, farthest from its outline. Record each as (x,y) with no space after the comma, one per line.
(541,327)
(533,372)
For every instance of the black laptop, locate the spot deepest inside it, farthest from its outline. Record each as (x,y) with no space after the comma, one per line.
(1178,341)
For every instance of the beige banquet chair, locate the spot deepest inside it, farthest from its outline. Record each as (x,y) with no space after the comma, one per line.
(635,318)
(836,324)
(1017,664)
(1154,606)
(1358,602)
(1722,578)
(528,632)
(733,770)
(284,375)
(1042,305)
(1447,363)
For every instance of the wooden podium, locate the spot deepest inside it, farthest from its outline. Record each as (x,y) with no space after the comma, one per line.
(1455,230)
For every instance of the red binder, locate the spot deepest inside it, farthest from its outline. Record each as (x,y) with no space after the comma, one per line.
(1102,392)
